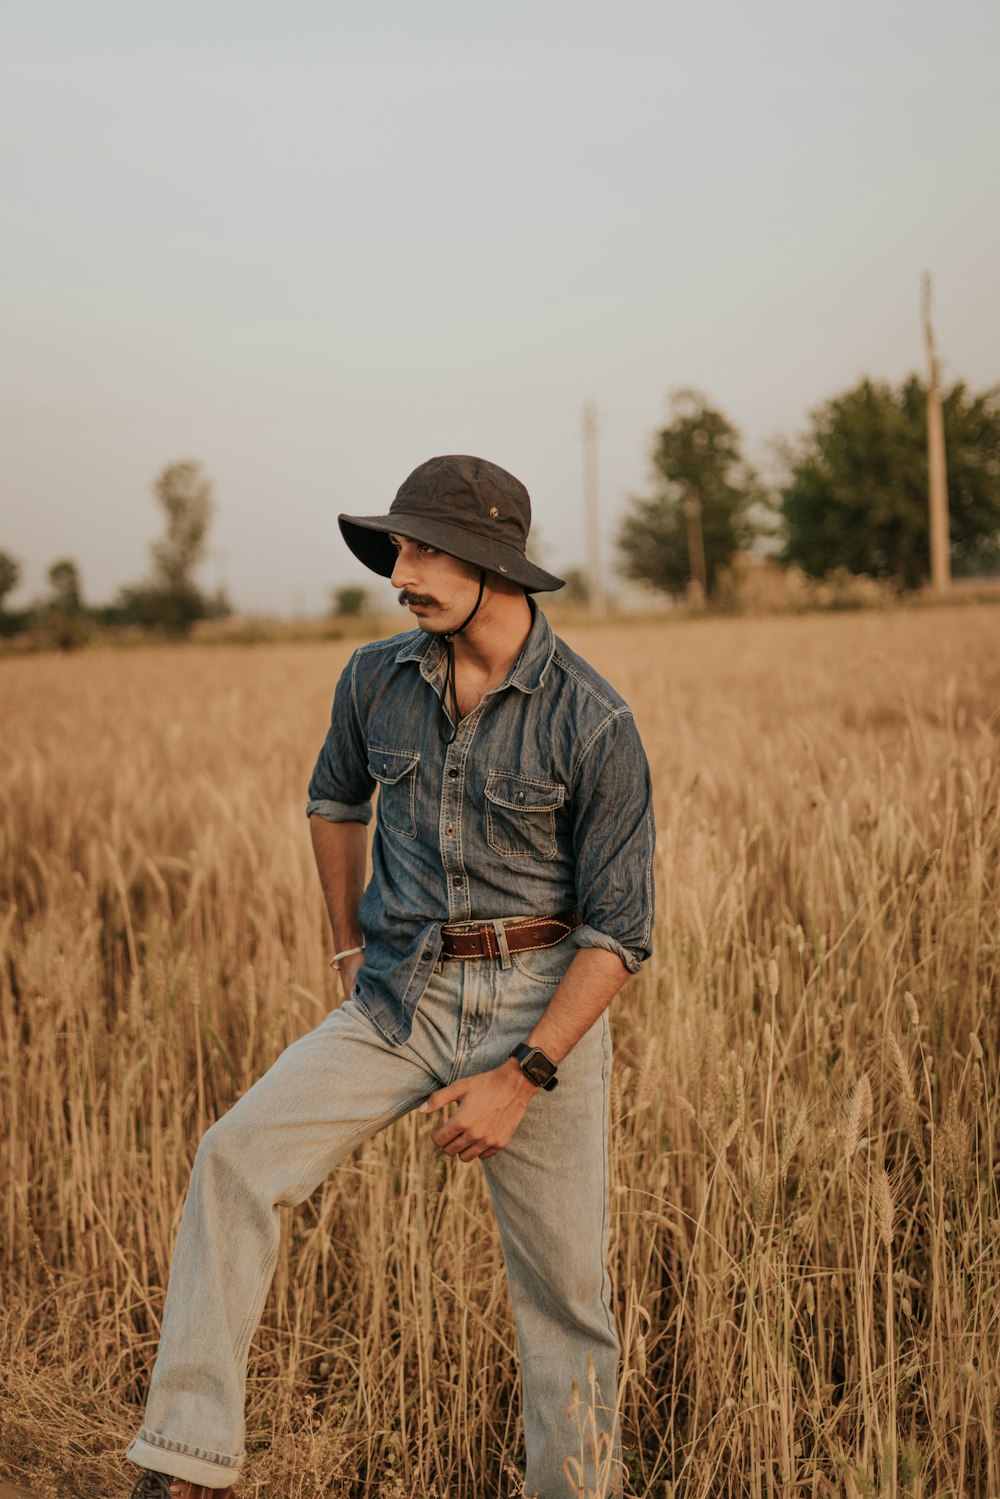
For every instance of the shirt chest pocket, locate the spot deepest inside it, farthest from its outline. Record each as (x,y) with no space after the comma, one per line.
(521,815)
(396,773)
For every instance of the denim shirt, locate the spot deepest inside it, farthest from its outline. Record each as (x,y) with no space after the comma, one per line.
(541,802)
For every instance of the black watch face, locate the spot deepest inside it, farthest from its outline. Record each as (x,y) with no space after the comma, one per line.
(537,1069)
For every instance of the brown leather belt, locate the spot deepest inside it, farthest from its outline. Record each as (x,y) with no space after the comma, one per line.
(479,939)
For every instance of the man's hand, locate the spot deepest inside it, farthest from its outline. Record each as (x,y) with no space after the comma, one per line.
(490,1107)
(348,972)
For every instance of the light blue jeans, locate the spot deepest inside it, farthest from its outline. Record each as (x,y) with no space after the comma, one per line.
(328,1093)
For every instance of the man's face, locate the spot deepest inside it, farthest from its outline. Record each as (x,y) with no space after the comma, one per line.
(439,590)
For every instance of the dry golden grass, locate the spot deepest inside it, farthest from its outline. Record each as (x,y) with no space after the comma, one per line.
(806,1225)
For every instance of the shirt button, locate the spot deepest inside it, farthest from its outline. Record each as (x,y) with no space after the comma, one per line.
(520,796)
(450,830)
(452,773)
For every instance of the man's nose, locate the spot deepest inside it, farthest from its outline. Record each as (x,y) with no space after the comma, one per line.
(402,572)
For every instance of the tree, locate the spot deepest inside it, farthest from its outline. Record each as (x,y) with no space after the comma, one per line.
(577,589)
(173,600)
(186,498)
(856,491)
(10,576)
(64,617)
(349,602)
(701,511)
(11,623)
(64,580)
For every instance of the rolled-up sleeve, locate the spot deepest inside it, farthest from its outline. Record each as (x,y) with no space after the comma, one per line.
(614,838)
(341,786)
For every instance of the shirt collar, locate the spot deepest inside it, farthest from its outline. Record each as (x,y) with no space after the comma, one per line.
(528,671)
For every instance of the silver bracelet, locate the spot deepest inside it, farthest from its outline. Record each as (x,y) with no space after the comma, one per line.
(347,953)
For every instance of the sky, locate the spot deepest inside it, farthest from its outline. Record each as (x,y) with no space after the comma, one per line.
(313,244)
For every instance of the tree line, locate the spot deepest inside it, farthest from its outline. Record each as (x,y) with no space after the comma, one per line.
(853,497)
(169,600)
(853,500)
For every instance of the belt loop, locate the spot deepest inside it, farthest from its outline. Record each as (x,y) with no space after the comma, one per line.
(501,936)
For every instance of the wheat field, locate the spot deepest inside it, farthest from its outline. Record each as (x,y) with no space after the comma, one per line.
(806,1225)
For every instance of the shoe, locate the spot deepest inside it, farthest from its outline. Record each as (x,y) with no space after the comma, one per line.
(162,1486)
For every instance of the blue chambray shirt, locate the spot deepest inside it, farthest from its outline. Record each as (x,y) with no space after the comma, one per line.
(541,802)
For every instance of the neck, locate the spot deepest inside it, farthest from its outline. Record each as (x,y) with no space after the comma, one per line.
(492,642)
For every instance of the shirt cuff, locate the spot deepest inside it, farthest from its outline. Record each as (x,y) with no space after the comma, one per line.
(588,936)
(339,811)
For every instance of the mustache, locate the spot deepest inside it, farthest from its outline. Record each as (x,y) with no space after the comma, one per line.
(407,597)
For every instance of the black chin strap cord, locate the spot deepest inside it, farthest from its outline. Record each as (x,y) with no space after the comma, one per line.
(449,645)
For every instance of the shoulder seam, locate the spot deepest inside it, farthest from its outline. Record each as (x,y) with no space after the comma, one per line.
(588,687)
(602,728)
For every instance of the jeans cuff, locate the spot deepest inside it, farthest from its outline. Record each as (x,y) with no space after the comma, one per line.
(160,1455)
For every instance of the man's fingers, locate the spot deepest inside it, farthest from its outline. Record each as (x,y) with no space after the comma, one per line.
(447,1134)
(444,1096)
(457,1142)
(478,1153)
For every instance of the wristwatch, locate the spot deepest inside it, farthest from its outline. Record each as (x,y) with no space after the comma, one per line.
(536,1066)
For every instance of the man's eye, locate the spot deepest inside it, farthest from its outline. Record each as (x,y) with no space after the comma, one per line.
(425,546)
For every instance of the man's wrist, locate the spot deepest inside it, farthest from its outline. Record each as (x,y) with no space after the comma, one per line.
(347,952)
(513,1069)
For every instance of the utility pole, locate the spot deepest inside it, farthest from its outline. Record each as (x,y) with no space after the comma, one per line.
(936,461)
(594,578)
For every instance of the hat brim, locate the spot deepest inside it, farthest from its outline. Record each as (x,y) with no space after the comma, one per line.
(368,538)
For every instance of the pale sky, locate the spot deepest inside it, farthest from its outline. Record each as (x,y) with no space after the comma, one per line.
(313,244)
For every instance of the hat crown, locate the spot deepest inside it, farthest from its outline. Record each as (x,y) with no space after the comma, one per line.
(467,507)
(470,492)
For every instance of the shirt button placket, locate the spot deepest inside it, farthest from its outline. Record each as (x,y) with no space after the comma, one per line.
(450,842)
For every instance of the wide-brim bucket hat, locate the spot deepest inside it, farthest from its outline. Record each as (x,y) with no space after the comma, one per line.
(468,507)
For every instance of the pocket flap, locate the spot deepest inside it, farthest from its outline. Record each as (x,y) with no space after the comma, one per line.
(389,766)
(522,793)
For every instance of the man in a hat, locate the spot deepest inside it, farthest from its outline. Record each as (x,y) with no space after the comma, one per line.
(510,898)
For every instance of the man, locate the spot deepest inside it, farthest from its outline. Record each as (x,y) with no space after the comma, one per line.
(510,898)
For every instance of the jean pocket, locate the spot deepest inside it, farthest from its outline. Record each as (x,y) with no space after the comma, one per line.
(545,965)
(521,815)
(396,773)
